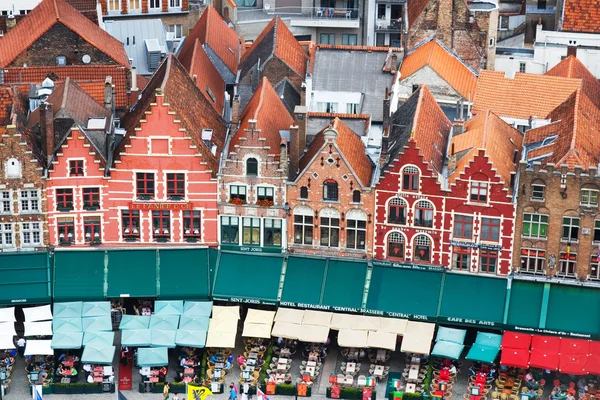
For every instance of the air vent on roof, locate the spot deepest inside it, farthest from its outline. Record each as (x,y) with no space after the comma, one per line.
(61,61)
(152,53)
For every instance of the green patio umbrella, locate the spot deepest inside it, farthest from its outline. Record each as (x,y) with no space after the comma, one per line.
(489,339)
(68,310)
(168,322)
(190,338)
(129,322)
(194,323)
(163,338)
(67,340)
(451,335)
(136,338)
(153,356)
(163,307)
(480,352)
(197,308)
(98,339)
(446,349)
(98,355)
(95,309)
(94,324)
(67,325)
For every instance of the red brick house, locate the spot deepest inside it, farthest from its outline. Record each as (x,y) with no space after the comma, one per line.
(457,211)
(253,177)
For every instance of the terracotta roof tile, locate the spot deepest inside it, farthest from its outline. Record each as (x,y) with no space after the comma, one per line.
(448,66)
(581,16)
(213,31)
(43,17)
(497,139)
(77,73)
(524,96)
(571,67)
(207,78)
(576,125)
(270,115)
(350,146)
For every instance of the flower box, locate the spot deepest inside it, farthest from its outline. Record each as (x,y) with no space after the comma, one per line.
(65,243)
(162,240)
(64,209)
(175,198)
(91,208)
(131,239)
(95,242)
(191,240)
(265,203)
(237,201)
(144,197)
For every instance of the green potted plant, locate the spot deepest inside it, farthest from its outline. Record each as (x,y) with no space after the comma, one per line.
(144,197)
(158,387)
(47,389)
(77,388)
(93,388)
(177,387)
(61,388)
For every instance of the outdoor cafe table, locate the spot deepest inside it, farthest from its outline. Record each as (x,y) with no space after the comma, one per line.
(187,379)
(381,355)
(285,353)
(188,371)
(246,375)
(310,370)
(219,365)
(311,363)
(217,373)
(413,373)
(68,362)
(411,388)
(378,370)
(253,355)
(508,385)
(350,367)
(251,362)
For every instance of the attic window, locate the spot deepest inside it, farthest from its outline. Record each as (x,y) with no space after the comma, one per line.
(61,61)
(549,140)
(211,94)
(207,136)
(96,123)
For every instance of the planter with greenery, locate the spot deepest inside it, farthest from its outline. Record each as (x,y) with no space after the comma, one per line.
(158,387)
(61,388)
(47,389)
(351,393)
(90,208)
(144,197)
(175,197)
(177,387)
(77,388)
(93,388)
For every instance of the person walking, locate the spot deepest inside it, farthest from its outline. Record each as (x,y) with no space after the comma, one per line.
(232,392)
(21,345)
(166,391)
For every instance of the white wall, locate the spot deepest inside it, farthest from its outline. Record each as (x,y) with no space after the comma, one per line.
(18,5)
(341,98)
(511,64)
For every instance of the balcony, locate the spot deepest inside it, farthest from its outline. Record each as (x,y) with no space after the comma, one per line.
(388,26)
(400,2)
(327,17)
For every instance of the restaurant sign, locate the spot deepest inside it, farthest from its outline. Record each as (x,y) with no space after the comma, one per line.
(421,267)
(251,249)
(416,317)
(481,246)
(552,332)
(245,300)
(161,206)
(320,307)
(471,322)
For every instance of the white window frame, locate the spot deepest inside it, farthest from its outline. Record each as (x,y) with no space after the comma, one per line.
(29,200)
(7,231)
(113,5)
(174,4)
(135,9)
(6,200)
(236,188)
(331,228)
(477,187)
(422,240)
(589,197)
(265,192)
(28,228)
(305,213)
(154,9)
(571,226)
(537,188)
(172,28)
(594,271)
(563,266)
(535,259)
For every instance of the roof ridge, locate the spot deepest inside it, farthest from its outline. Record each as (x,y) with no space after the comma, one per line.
(261,98)
(194,48)
(575,119)
(57,10)
(65,91)
(167,72)
(417,111)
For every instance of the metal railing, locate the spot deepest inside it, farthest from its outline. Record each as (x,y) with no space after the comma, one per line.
(387,25)
(332,13)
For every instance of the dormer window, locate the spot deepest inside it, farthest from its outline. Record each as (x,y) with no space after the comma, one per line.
(207,136)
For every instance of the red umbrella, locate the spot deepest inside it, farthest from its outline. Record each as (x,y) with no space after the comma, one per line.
(573,364)
(574,346)
(544,359)
(516,340)
(518,358)
(593,361)
(545,343)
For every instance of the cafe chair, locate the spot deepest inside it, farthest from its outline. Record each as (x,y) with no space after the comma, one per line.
(340,379)
(361,381)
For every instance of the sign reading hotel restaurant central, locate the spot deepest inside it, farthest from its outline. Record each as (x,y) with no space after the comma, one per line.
(160,206)
(319,307)
(416,317)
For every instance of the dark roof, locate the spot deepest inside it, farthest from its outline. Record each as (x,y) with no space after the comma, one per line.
(189,104)
(83,5)
(288,95)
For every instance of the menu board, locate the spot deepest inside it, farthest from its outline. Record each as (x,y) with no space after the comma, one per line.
(301,389)
(335,391)
(367,393)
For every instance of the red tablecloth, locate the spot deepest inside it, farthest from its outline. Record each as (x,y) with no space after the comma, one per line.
(516,340)
(515,358)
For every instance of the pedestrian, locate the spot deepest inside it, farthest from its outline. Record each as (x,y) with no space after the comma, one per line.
(175,397)
(232,392)
(166,391)
(21,345)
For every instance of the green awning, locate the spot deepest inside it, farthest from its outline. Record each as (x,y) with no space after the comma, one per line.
(194,323)
(447,350)
(525,304)
(242,277)
(489,339)
(132,322)
(93,324)
(163,338)
(184,274)
(344,285)
(98,339)
(300,270)
(197,308)
(67,325)
(153,356)
(67,340)
(480,352)
(451,335)
(167,322)
(136,338)
(190,338)
(67,310)
(96,309)
(98,355)
(24,278)
(132,273)
(166,307)
(79,275)
(573,309)
(473,300)
(420,291)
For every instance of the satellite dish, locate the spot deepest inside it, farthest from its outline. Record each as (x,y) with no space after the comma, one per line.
(86,59)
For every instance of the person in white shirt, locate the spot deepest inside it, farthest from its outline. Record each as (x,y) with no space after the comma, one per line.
(90,378)
(21,345)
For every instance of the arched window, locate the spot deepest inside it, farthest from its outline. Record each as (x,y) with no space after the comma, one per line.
(330,227)
(397,211)
(12,168)
(424,214)
(410,179)
(303,225)
(356,230)
(330,190)
(422,250)
(356,196)
(396,246)
(304,192)
(251,167)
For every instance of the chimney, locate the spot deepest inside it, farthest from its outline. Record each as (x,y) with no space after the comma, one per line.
(300,121)
(445,11)
(47,131)
(235,110)
(394,66)
(283,156)
(572,51)
(134,79)
(294,152)
(10,22)
(108,93)
(458,128)
(451,159)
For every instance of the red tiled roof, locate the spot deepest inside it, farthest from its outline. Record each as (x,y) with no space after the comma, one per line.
(77,73)
(571,67)
(498,140)
(445,64)
(351,148)
(213,31)
(270,115)
(576,122)
(43,17)
(524,96)
(581,16)
(207,78)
